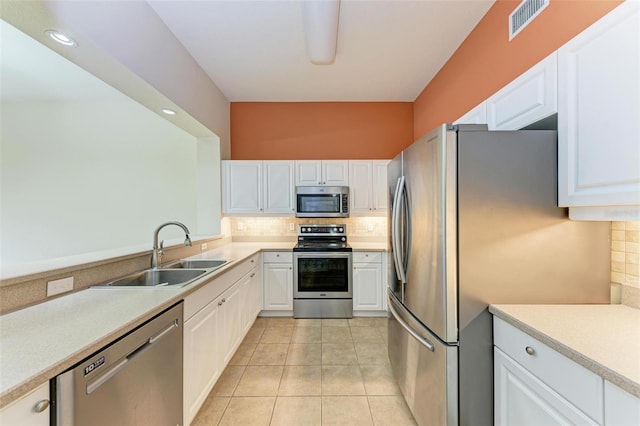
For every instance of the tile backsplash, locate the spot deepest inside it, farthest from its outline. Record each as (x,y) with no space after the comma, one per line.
(625,253)
(245,227)
(625,262)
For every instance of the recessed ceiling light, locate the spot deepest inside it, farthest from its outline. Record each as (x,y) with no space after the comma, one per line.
(168,111)
(61,38)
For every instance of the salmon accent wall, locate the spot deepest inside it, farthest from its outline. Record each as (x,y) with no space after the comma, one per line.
(319,130)
(486,61)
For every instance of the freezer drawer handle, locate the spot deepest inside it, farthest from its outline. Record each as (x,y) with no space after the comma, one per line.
(99,381)
(408,329)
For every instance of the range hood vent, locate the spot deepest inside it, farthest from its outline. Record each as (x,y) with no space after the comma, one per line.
(524,14)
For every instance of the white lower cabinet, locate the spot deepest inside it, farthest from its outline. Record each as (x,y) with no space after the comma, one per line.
(277,276)
(522,399)
(620,407)
(30,410)
(534,384)
(202,365)
(217,317)
(367,281)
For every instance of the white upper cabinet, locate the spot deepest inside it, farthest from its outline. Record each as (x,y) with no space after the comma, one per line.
(477,115)
(527,99)
(380,195)
(322,172)
(599,118)
(242,186)
(278,187)
(368,187)
(257,187)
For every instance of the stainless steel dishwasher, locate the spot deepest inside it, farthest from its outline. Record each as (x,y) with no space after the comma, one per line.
(136,380)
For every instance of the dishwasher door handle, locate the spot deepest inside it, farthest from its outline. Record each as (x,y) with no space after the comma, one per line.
(115,369)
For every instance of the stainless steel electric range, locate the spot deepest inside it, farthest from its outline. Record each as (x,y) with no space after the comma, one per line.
(322,273)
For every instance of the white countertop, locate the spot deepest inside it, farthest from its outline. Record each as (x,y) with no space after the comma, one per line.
(603,338)
(39,342)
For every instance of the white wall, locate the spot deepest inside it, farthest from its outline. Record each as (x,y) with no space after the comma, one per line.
(144,45)
(91,176)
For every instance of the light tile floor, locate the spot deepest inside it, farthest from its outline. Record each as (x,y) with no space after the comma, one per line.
(295,372)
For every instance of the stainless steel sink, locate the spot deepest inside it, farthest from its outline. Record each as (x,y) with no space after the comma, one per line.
(159,277)
(197,263)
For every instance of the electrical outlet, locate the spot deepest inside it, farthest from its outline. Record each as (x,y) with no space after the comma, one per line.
(240,226)
(59,286)
(292,226)
(370,227)
(203,246)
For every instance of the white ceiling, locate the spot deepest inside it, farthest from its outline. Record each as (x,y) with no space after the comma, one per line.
(388,50)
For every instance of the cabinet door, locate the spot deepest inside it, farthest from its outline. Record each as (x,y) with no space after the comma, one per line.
(250,293)
(308,172)
(202,357)
(230,326)
(335,172)
(477,115)
(278,286)
(380,202)
(360,191)
(367,286)
(520,398)
(599,106)
(620,407)
(527,99)
(278,187)
(242,186)
(30,410)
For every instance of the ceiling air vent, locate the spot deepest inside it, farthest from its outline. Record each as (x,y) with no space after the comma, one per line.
(524,14)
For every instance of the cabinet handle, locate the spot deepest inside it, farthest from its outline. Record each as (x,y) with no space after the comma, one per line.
(319,183)
(253,261)
(354,268)
(41,406)
(290,268)
(219,303)
(530,350)
(253,275)
(224,300)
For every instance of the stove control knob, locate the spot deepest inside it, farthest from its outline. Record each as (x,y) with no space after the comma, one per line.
(343,239)
(340,229)
(335,229)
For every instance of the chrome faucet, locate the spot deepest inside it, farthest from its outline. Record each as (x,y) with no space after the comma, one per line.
(157,248)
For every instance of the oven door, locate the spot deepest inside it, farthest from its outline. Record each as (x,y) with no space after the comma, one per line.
(319,275)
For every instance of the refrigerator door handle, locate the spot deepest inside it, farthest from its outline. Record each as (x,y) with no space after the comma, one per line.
(425,342)
(406,230)
(395,231)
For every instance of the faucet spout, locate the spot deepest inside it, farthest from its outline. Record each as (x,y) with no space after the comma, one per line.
(157,248)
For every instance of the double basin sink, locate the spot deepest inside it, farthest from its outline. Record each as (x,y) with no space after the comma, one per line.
(181,272)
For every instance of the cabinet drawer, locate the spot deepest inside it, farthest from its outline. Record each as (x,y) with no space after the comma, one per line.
(367,257)
(205,294)
(572,381)
(277,257)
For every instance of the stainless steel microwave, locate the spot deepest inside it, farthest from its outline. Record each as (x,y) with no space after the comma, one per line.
(322,201)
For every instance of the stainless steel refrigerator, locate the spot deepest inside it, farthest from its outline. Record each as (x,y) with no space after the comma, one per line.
(474,221)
